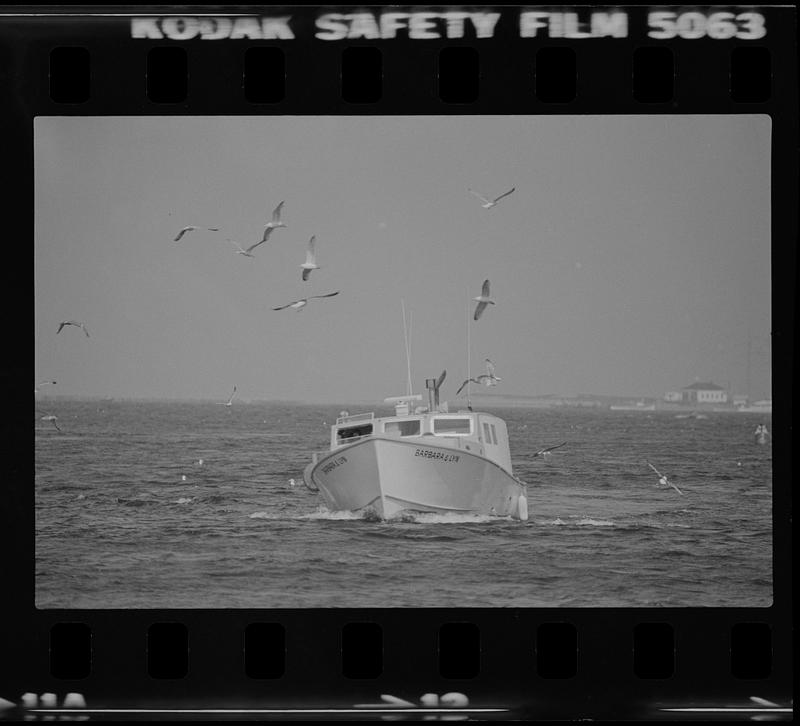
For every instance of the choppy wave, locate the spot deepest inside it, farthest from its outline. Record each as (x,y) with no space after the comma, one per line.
(407,517)
(115,529)
(588,521)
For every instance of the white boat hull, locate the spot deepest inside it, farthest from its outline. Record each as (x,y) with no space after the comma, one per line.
(390,476)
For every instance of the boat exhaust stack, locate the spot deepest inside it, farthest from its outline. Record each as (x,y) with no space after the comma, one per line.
(433,393)
(433,385)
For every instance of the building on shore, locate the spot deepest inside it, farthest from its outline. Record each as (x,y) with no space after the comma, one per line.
(703,393)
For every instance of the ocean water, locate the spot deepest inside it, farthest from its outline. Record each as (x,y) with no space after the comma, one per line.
(127,517)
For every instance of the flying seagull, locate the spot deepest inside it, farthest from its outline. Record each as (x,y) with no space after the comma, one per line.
(229,402)
(545,452)
(491,378)
(300,304)
(72,322)
(663,481)
(276,218)
(477,380)
(43,383)
(311,259)
(192,228)
(483,300)
(246,252)
(50,417)
(487,379)
(489,203)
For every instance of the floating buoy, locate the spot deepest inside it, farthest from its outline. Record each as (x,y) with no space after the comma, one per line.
(431,700)
(48,700)
(522,507)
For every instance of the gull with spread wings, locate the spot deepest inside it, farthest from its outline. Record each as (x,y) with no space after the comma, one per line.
(300,304)
(76,323)
(50,417)
(489,203)
(483,300)
(663,481)
(229,402)
(546,451)
(192,228)
(247,252)
(276,218)
(311,259)
(486,379)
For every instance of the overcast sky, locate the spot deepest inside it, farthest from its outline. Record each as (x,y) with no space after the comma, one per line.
(633,257)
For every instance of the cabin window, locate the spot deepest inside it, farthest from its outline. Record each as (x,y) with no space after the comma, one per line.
(494,434)
(351,432)
(487,436)
(402,428)
(451,426)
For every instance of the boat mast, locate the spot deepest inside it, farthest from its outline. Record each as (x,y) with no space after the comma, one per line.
(406,338)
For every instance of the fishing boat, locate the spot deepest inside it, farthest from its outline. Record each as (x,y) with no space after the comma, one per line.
(421,459)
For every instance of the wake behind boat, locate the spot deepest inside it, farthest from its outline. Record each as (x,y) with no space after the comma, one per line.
(424,459)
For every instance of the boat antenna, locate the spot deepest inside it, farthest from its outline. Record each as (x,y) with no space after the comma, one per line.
(469,373)
(407,339)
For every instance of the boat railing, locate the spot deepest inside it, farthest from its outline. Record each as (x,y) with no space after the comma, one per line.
(355,417)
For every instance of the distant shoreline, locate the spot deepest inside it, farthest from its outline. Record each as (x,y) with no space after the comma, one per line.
(239,402)
(484,400)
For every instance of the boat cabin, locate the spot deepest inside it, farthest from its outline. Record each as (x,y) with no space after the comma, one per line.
(479,433)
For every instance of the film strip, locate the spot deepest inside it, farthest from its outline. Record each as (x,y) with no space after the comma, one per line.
(93,98)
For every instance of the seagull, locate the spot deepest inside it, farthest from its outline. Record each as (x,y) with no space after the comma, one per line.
(487,379)
(489,203)
(276,218)
(491,378)
(546,452)
(663,481)
(469,380)
(229,402)
(483,300)
(311,260)
(43,383)
(72,322)
(192,228)
(50,417)
(300,304)
(246,252)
